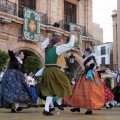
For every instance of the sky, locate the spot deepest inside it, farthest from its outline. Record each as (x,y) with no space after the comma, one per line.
(102,11)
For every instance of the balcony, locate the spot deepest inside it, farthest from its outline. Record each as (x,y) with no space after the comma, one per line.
(8,7)
(44,19)
(65,25)
(12,8)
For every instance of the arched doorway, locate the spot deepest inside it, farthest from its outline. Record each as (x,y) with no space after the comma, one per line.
(29,53)
(31,49)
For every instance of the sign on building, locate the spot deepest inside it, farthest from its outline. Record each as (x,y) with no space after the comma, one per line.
(79,29)
(31,30)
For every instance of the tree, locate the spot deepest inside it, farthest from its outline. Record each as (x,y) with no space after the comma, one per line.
(32,64)
(108,82)
(3,59)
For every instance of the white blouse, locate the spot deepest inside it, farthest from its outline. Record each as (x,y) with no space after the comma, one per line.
(62,48)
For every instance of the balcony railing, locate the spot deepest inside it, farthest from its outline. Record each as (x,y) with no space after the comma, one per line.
(44,19)
(8,7)
(11,8)
(65,25)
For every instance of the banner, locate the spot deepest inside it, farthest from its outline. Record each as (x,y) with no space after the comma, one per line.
(31,30)
(79,29)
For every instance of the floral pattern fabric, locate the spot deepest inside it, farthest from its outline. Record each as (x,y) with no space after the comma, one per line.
(108,94)
(14,88)
(87,94)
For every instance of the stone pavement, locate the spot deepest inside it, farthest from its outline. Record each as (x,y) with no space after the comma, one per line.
(36,114)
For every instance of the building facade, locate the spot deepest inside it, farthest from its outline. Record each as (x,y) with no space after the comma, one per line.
(115,40)
(62,11)
(97,32)
(104,55)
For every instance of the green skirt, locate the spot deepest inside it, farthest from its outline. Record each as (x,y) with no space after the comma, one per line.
(55,83)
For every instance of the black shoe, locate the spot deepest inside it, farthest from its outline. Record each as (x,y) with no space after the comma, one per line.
(75,110)
(89,112)
(110,105)
(47,113)
(52,109)
(107,107)
(35,106)
(59,106)
(19,109)
(13,110)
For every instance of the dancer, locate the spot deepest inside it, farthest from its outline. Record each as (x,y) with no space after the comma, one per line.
(14,87)
(109,97)
(54,82)
(116,89)
(31,86)
(88,91)
(1,76)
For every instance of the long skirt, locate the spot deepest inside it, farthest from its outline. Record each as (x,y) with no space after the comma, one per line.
(87,94)
(116,92)
(33,93)
(14,88)
(55,83)
(1,96)
(108,94)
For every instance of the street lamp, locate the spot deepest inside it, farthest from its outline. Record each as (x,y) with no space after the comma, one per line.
(72,58)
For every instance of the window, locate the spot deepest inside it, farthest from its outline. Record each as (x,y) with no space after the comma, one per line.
(103,50)
(26,3)
(103,60)
(69,13)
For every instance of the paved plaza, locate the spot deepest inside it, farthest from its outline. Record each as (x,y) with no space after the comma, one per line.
(36,114)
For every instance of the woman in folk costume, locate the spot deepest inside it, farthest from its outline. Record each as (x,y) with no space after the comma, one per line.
(14,87)
(1,75)
(54,82)
(116,89)
(88,91)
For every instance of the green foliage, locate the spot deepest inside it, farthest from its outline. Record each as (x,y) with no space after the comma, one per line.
(3,59)
(69,75)
(108,82)
(32,64)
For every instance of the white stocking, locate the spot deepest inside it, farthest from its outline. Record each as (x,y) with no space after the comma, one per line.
(47,103)
(51,105)
(38,100)
(16,105)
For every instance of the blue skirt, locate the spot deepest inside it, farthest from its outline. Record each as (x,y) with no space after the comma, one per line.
(33,93)
(1,96)
(14,88)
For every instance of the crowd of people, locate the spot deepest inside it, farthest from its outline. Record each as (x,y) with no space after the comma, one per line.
(17,89)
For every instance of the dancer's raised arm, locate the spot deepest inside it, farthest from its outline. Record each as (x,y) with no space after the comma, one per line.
(45,43)
(66,47)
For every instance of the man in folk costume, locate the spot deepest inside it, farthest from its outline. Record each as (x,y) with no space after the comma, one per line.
(54,82)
